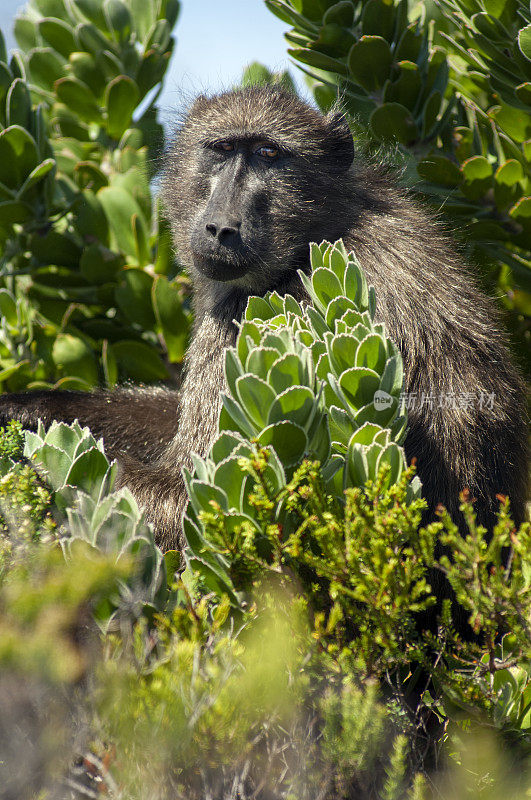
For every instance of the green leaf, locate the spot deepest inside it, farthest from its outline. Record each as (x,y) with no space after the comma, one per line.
(58,35)
(369,62)
(372,353)
(230,476)
(287,371)
(366,434)
(139,361)
(89,176)
(524,41)
(523,93)
(168,307)
(18,104)
(378,18)
(109,365)
(260,360)
(14,211)
(514,121)
(393,120)
(72,356)
(143,15)
(358,467)
(297,404)
(118,19)
(65,437)
(256,74)
(202,495)
(438,169)
(338,308)
(36,175)
(77,96)
(326,285)
(120,208)
(51,8)
(93,41)
(215,580)
(224,446)
(288,441)
(507,180)
(45,67)
(318,60)
(233,419)
(477,174)
(25,32)
(159,36)
(522,209)
(93,11)
(69,123)
(91,219)
(121,99)
(133,296)
(406,88)
(88,471)
(256,397)
(8,308)
(54,462)
(173,559)
(359,385)
(394,456)
(393,376)
(341,13)
(343,348)
(258,308)
(18,156)
(85,68)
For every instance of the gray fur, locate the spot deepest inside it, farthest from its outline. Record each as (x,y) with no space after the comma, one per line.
(448,332)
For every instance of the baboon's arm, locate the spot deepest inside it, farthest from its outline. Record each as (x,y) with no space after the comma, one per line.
(140,422)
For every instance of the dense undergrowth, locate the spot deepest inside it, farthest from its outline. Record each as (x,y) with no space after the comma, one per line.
(298,651)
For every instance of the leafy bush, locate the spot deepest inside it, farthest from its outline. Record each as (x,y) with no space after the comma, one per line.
(288,660)
(86,296)
(289,655)
(456,102)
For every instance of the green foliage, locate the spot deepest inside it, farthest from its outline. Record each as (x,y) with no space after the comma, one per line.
(79,479)
(457,104)
(286,662)
(281,692)
(321,382)
(86,295)
(256,74)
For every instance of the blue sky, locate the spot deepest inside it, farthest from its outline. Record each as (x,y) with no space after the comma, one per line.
(215,41)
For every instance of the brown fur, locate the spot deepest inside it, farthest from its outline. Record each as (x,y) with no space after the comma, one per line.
(448,332)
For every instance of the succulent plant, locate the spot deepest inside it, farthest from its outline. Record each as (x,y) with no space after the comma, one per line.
(451,84)
(84,290)
(319,380)
(76,468)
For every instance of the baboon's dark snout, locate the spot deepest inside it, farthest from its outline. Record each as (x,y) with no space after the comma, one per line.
(227,232)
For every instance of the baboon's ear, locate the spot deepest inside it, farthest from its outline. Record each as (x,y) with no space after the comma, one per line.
(340,140)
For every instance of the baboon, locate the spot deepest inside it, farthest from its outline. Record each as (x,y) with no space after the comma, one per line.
(253,176)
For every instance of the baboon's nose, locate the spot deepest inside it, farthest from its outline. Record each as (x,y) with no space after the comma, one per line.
(226,234)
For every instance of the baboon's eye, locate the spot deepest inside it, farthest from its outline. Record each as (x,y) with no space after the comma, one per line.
(227,147)
(268,151)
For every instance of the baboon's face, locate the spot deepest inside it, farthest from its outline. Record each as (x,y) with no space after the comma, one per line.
(252,179)
(229,234)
